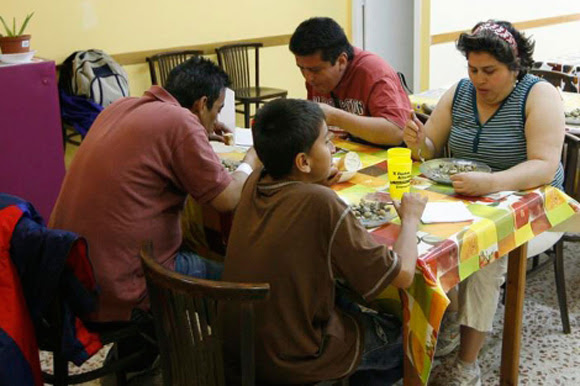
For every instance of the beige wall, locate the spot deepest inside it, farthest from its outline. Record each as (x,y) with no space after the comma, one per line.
(60,27)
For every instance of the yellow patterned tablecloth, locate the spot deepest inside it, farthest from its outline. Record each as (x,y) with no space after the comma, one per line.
(450,252)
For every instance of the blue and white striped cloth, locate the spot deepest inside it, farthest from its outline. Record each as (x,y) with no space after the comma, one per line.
(500,142)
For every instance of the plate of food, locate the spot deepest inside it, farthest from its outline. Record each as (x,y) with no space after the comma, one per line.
(230,165)
(441,169)
(372,214)
(573,116)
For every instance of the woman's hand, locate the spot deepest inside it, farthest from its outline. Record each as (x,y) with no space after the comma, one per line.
(414,132)
(473,183)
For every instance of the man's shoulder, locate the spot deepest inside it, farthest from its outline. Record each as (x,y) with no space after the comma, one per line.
(371,63)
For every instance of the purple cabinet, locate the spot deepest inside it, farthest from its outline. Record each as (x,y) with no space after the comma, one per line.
(31,149)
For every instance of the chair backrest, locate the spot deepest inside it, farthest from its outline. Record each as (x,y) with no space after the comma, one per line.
(566,82)
(160,65)
(234,59)
(404,83)
(189,334)
(570,160)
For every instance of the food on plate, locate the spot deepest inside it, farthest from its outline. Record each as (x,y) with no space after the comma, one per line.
(454,168)
(440,170)
(372,213)
(230,165)
(573,113)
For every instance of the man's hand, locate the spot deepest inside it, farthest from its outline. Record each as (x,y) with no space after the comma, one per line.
(414,132)
(251,158)
(473,183)
(218,132)
(411,207)
(329,113)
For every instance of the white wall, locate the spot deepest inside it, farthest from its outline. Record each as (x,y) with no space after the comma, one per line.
(386,28)
(447,65)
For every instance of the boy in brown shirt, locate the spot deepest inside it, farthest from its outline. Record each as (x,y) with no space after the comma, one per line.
(292,231)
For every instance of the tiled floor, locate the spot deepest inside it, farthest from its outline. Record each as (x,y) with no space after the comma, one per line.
(548,356)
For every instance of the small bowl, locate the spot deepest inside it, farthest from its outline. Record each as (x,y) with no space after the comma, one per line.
(347,175)
(23,57)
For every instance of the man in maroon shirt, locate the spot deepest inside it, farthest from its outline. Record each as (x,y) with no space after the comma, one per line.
(132,173)
(357,90)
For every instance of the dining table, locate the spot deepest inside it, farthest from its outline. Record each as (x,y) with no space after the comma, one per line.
(500,225)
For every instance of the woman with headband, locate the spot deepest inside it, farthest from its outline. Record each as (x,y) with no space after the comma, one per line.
(512,121)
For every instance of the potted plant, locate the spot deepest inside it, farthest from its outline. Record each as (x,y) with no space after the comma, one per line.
(14,42)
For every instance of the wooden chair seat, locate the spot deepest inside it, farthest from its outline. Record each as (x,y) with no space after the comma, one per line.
(252,94)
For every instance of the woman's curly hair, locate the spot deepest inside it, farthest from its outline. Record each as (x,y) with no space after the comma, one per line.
(487,41)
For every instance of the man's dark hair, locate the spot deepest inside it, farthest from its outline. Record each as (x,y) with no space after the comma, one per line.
(487,41)
(195,78)
(284,128)
(320,34)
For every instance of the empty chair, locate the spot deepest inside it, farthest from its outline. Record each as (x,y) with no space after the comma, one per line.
(189,334)
(160,65)
(566,82)
(235,59)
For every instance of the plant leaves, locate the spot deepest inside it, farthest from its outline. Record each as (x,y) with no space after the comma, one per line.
(28,17)
(8,32)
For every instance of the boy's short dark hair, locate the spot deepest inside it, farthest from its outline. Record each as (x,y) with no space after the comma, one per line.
(195,78)
(284,128)
(321,34)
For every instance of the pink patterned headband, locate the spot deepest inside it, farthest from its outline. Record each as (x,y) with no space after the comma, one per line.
(501,32)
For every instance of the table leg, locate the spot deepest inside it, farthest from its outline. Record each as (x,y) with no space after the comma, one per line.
(514,305)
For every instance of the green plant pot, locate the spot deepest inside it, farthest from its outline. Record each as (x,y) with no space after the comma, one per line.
(15,45)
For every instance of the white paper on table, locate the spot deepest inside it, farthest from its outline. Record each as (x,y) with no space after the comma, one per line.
(243,137)
(436,212)
(228,114)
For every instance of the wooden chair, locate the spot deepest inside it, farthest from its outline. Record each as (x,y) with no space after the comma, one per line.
(566,82)
(50,338)
(234,59)
(189,333)
(160,65)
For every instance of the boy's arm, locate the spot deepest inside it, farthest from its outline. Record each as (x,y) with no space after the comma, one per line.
(368,267)
(410,210)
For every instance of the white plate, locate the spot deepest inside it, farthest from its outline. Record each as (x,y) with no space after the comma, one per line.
(346,175)
(23,57)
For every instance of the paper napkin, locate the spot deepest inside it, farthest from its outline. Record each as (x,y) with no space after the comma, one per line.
(436,212)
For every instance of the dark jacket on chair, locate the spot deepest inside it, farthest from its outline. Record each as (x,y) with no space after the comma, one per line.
(36,265)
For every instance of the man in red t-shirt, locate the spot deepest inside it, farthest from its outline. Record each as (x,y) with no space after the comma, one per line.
(357,90)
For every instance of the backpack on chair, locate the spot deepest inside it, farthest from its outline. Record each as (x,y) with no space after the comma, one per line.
(94,75)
